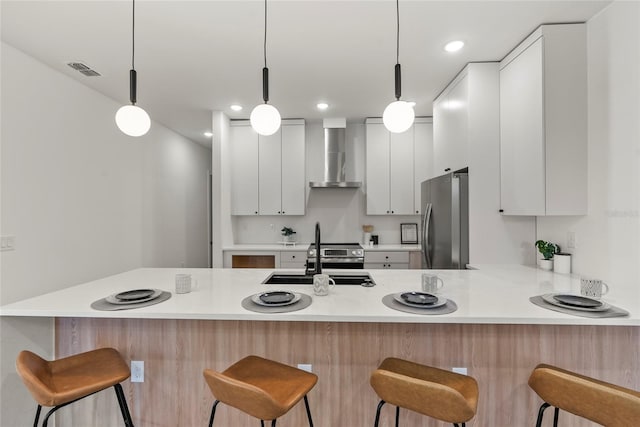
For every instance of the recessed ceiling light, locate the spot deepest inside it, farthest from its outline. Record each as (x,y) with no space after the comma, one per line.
(236,107)
(208,134)
(454,46)
(322,105)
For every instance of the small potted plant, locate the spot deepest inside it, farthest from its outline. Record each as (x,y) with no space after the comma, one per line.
(288,235)
(547,249)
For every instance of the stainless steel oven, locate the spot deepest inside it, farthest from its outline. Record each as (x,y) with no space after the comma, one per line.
(337,255)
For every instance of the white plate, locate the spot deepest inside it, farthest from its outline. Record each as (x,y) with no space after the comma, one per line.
(441,301)
(551,300)
(111,299)
(256,299)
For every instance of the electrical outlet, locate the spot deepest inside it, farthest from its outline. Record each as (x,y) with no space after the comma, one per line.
(8,243)
(137,371)
(462,371)
(571,239)
(305,367)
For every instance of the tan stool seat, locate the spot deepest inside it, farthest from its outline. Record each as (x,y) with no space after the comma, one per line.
(595,400)
(260,387)
(434,392)
(59,382)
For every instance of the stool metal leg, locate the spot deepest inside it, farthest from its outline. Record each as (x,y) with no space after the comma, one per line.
(261,423)
(544,406)
(128,422)
(273,423)
(556,413)
(397,415)
(35,423)
(213,413)
(306,405)
(382,402)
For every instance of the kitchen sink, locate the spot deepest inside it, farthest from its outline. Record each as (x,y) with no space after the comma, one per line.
(363,279)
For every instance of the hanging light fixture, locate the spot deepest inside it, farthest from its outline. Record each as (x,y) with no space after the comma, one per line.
(131,119)
(399,115)
(265,118)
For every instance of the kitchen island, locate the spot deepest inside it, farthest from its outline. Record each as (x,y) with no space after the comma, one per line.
(496,333)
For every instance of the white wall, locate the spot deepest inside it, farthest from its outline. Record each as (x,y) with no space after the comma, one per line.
(608,238)
(341,212)
(83,201)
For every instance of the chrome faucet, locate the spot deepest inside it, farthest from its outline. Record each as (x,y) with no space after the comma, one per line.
(318,266)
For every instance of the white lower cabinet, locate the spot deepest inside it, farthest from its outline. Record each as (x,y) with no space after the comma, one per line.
(386,260)
(293,259)
(267,172)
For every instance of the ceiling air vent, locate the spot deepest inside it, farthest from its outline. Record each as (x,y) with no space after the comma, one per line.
(84,69)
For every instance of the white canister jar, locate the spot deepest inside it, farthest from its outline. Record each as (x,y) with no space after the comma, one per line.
(562,263)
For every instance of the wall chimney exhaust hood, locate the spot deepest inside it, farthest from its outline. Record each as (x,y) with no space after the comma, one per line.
(334,156)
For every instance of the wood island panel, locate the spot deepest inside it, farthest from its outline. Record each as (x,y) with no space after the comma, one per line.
(500,357)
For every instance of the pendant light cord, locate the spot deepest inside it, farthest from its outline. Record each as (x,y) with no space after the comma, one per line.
(133,37)
(397,32)
(264,47)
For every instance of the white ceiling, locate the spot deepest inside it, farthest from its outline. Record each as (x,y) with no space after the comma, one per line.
(194,57)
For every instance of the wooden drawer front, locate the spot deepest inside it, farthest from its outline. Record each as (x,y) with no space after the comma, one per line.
(386,257)
(293,257)
(253,261)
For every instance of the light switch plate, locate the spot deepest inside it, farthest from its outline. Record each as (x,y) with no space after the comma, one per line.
(137,371)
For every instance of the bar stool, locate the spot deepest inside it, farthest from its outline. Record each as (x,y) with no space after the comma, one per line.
(61,382)
(261,388)
(595,400)
(440,394)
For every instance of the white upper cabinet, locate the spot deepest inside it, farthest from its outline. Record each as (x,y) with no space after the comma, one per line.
(392,160)
(267,172)
(377,168)
(293,171)
(450,126)
(423,156)
(543,123)
(243,148)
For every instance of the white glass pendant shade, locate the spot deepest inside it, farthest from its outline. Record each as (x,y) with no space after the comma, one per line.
(398,116)
(133,120)
(265,119)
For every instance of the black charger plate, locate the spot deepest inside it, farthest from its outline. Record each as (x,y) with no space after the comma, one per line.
(419,298)
(276,297)
(577,301)
(135,295)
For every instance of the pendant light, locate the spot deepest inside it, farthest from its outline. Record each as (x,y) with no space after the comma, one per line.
(131,119)
(399,115)
(265,118)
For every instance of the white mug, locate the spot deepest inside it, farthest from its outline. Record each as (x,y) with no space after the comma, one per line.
(184,283)
(322,283)
(430,283)
(593,287)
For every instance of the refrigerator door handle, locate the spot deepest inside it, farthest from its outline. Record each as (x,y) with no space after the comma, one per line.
(426,221)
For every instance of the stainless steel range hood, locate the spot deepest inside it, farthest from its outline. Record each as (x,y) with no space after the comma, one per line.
(334,157)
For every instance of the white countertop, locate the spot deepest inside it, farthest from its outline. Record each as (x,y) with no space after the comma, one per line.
(491,294)
(303,247)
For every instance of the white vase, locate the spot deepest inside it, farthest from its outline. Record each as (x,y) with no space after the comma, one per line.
(546,264)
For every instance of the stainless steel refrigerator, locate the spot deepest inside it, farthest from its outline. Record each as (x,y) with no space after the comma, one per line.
(445,221)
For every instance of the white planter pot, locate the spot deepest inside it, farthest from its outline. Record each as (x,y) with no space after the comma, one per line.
(562,263)
(546,264)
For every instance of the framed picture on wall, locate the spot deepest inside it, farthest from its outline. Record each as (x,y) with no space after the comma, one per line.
(408,233)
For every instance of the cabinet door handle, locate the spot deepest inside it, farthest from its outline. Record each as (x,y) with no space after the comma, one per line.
(282,212)
(392,211)
(386,257)
(387,211)
(256,212)
(278,212)
(501,210)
